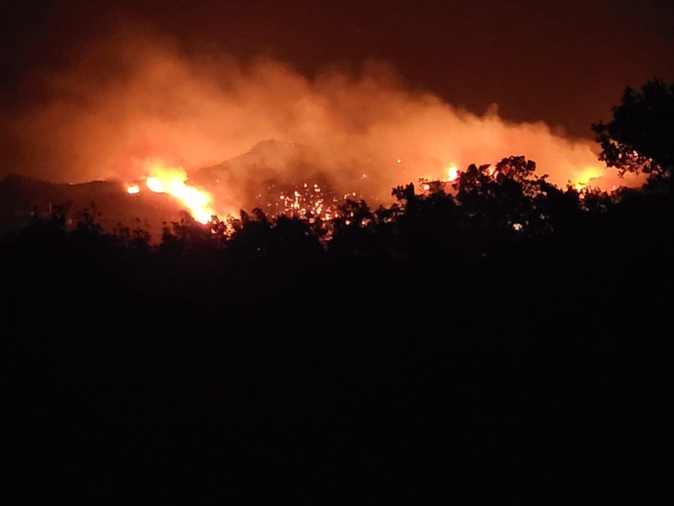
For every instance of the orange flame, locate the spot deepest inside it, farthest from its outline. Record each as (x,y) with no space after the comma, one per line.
(171,180)
(586,177)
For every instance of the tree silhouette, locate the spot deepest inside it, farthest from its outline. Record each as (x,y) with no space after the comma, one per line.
(137,238)
(499,201)
(187,233)
(640,136)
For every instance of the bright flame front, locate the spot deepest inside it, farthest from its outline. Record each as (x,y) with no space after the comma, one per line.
(171,180)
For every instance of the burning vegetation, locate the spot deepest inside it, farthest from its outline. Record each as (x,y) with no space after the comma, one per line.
(318,200)
(171,180)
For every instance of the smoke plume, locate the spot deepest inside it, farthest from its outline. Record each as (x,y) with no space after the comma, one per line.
(136,97)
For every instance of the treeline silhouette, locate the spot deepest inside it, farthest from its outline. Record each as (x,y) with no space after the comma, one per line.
(493,340)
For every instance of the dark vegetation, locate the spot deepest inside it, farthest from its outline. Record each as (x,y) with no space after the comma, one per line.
(501,341)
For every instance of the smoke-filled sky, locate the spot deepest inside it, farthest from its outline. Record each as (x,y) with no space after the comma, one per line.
(88,90)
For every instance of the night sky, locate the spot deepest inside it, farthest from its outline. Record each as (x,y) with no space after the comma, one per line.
(563,63)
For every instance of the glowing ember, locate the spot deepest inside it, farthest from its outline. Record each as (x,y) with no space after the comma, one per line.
(133,189)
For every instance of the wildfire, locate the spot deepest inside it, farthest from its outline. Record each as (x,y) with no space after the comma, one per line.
(171,180)
(586,178)
(452,175)
(313,201)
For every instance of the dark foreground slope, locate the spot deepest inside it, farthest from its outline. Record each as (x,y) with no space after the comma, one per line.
(23,199)
(541,374)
